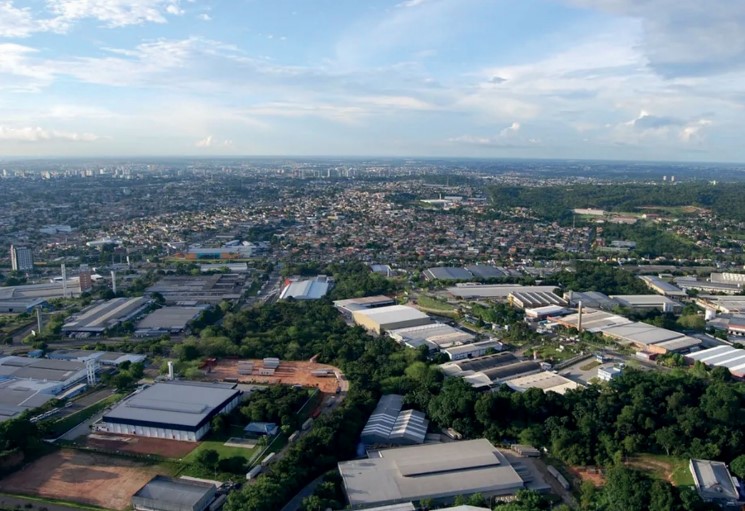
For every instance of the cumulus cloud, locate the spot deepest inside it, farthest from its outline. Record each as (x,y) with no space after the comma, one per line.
(210,142)
(15,21)
(685,37)
(507,137)
(411,3)
(38,134)
(648,127)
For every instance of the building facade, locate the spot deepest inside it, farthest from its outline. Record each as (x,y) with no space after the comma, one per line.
(21,258)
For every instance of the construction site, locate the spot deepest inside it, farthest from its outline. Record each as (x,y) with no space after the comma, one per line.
(326,378)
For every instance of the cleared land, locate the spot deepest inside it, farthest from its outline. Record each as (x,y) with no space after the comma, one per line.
(76,476)
(671,469)
(288,373)
(140,445)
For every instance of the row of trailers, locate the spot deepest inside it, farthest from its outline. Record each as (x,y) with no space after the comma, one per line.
(268,366)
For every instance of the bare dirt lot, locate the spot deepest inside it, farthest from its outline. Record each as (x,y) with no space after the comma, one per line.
(288,373)
(140,445)
(590,474)
(81,477)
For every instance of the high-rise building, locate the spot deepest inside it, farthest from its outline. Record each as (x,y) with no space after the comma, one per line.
(86,280)
(21,258)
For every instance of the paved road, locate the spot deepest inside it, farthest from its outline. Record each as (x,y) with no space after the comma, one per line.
(13,502)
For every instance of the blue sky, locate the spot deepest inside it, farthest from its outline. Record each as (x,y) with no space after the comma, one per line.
(615,79)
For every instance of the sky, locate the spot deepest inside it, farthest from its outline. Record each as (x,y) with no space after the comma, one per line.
(595,79)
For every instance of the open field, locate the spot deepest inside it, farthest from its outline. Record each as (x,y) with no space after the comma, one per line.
(288,373)
(81,477)
(592,474)
(173,449)
(671,469)
(225,451)
(427,302)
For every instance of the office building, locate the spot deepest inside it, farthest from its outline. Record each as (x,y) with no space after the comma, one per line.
(21,258)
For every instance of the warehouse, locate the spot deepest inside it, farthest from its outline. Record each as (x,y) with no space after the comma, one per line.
(172,410)
(714,483)
(106,358)
(535,299)
(388,425)
(21,305)
(62,372)
(46,291)
(17,396)
(591,299)
(447,273)
(483,272)
(367,302)
(393,317)
(541,313)
(167,494)
(546,381)
(494,291)
(477,349)
(100,317)
(490,371)
(308,289)
(168,320)
(648,302)
(663,287)
(439,472)
(592,320)
(204,289)
(436,336)
(722,356)
(651,338)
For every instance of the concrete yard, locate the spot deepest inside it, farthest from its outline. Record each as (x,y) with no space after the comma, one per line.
(87,478)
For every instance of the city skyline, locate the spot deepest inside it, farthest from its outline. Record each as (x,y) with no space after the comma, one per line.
(608,79)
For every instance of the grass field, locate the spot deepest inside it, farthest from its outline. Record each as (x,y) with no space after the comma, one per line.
(670,468)
(218,444)
(428,302)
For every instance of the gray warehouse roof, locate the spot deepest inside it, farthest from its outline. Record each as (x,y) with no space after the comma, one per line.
(389,425)
(429,471)
(184,404)
(448,273)
(101,316)
(174,493)
(391,314)
(499,291)
(169,318)
(713,480)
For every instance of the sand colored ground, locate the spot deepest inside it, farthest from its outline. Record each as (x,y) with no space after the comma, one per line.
(140,445)
(592,475)
(288,373)
(76,476)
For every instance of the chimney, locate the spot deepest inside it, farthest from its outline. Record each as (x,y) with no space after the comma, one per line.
(579,319)
(113,281)
(170,370)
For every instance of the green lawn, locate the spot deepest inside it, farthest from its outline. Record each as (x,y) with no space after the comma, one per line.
(428,302)
(659,466)
(218,444)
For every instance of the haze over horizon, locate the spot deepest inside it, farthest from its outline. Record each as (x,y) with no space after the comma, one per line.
(577,79)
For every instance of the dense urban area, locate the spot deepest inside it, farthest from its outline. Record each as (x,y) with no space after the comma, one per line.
(388,334)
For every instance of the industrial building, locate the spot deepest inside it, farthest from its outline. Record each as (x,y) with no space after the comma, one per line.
(306,289)
(490,371)
(590,299)
(18,396)
(663,287)
(546,381)
(494,291)
(368,302)
(651,339)
(608,373)
(447,273)
(691,283)
(541,313)
(46,291)
(222,267)
(592,320)
(100,317)
(724,304)
(432,471)
(714,483)
(104,358)
(648,302)
(484,272)
(722,356)
(393,317)
(388,425)
(534,299)
(22,305)
(171,410)
(235,250)
(168,320)
(473,350)
(163,493)
(203,289)
(436,336)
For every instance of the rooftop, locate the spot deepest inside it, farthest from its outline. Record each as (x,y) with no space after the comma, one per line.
(180,403)
(100,316)
(169,318)
(546,381)
(713,480)
(183,493)
(310,289)
(429,471)
(391,314)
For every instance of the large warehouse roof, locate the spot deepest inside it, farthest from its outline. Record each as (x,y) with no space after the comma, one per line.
(389,425)
(435,335)
(181,404)
(392,314)
(724,356)
(169,318)
(310,289)
(713,480)
(497,291)
(40,369)
(99,317)
(546,381)
(169,493)
(447,273)
(434,471)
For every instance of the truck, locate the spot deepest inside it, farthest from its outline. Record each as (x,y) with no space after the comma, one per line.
(254,472)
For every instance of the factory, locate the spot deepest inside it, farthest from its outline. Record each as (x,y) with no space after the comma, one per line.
(436,336)
(663,287)
(104,358)
(98,318)
(167,494)
(392,317)
(171,410)
(447,273)
(439,472)
(204,289)
(22,305)
(476,349)
(306,289)
(535,299)
(232,250)
(721,356)
(45,291)
(546,381)
(389,425)
(368,302)
(714,483)
(500,292)
(490,371)
(168,320)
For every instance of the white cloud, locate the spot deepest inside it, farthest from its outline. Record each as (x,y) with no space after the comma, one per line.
(113,13)
(411,3)
(38,134)
(210,142)
(507,137)
(15,21)
(204,17)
